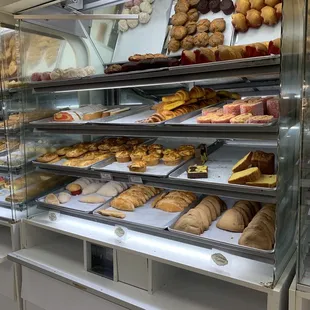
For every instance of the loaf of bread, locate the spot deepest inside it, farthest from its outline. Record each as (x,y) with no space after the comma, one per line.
(264,161)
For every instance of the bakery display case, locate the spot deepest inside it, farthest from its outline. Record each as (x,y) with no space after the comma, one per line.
(174,165)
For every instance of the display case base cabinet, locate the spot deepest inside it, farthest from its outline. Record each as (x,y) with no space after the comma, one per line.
(7,303)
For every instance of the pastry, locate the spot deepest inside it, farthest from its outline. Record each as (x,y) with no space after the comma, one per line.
(214,5)
(137,154)
(91,188)
(242,177)
(222,119)
(64,197)
(129,4)
(74,189)
(174,45)
(122,156)
(239,22)
(206,55)
(193,15)
(144,17)
(216,39)
(218,25)
(272,3)
(47,157)
(260,119)
(269,16)
(197,172)
(241,119)
(137,166)
(190,224)
(265,162)
(201,39)
(109,190)
(178,32)
(112,213)
(175,201)
(193,3)
(179,19)
(113,68)
(278,9)
(242,6)
(196,92)
(172,159)
(265,180)
(94,198)
(188,43)
(227,6)
(146,7)
(181,6)
(132,23)
(254,18)
(191,27)
(257,4)
(51,199)
(135,9)
(243,163)
(203,25)
(203,6)
(231,220)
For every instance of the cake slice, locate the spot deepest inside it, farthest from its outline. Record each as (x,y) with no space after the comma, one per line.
(243,163)
(266,180)
(264,161)
(245,176)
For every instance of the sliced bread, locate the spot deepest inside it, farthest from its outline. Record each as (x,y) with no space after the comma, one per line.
(246,176)
(243,163)
(265,180)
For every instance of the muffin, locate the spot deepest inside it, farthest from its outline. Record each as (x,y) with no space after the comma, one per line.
(117,148)
(137,166)
(186,151)
(137,155)
(123,157)
(172,158)
(151,160)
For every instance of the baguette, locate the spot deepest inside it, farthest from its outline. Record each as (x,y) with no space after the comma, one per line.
(246,176)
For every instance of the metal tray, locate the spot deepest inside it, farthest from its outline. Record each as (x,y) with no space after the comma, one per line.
(133,109)
(228,33)
(148,38)
(146,215)
(161,170)
(253,35)
(73,203)
(214,234)
(220,163)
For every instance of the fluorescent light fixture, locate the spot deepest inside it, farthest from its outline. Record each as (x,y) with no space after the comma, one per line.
(77,17)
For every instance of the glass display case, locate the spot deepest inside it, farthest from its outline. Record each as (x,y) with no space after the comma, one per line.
(174,165)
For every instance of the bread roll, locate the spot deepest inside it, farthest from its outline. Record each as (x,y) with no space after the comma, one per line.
(64,197)
(52,199)
(231,220)
(91,188)
(94,198)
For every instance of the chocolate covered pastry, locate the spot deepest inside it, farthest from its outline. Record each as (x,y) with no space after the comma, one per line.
(214,5)
(227,6)
(203,6)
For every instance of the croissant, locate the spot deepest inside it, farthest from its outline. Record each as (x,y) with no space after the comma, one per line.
(269,15)
(239,22)
(254,18)
(196,92)
(243,6)
(183,94)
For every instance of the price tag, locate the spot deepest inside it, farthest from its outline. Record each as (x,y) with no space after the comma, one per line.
(135,179)
(121,233)
(106,176)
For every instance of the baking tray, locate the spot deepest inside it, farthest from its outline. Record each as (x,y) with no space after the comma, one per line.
(220,163)
(253,35)
(145,215)
(73,203)
(133,109)
(160,170)
(229,32)
(214,234)
(143,39)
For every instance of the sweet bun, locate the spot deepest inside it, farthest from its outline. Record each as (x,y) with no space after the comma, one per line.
(239,22)
(64,197)
(269,16)
(94,198)
(218,25)
(91,188)
(278,9)
(178,32)
(191,27)
(188,43)
(257,4)
(193,15)
(216,39)
(272,3)
(243,6)
(201,39)
(52,199)
(179,19)
(174,45)
(254,18)
(203,25)
(181,6)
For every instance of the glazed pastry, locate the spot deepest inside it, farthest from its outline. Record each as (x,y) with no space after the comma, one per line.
(191,27)
(257,4)
(137,166)
(203,6)
(64,197)
(254,18)
(179,19)
(201,39)
(178,32)
(243,6)
(188,43)
(181,6)
(269,16)
(144,18)
(216,39)
(132,23)
(174,45)
(272,3)
(51,199)
(278,9)
(227,6)
(146,7)
(218,25)
(214,5)
(193,15)
(193,2)
(135,9)
(203,25)
(122,25)
(239,22)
